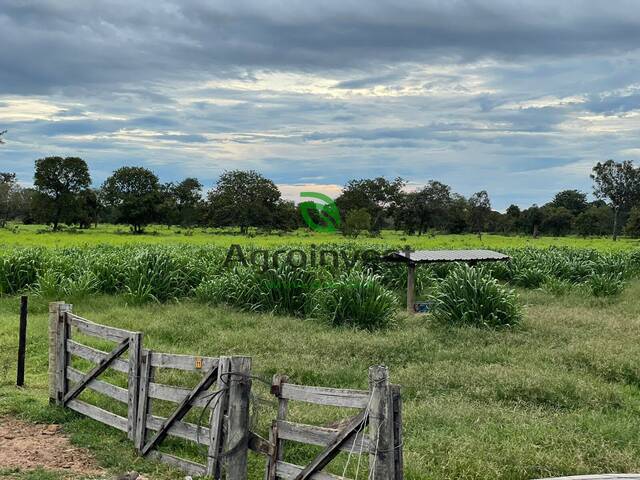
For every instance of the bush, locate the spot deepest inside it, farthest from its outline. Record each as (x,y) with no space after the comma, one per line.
(356,299)
(470,296)
(605,284)
(283,290)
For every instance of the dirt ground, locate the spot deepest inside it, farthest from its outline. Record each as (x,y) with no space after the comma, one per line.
(28,446)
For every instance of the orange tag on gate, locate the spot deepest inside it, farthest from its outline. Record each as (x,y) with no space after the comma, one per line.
(198,362)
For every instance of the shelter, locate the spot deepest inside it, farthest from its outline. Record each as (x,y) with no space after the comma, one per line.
(413,258)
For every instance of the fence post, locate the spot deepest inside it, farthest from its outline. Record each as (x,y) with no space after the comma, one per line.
(22,340)
(146,373)
(216,420)
(381,458)
(133,381)
(62,357)
(237,439)
(398,455)
(53,349)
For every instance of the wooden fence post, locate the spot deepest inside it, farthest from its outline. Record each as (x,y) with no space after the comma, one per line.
(237,439)
(22,340)
(381,458)
(144,401)
(62,357)
(135,357)
(53,350)
(397,432)
(216,420)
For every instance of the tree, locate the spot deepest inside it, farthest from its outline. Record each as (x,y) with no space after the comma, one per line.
(619,183)
(573,200)
(378,196)
(479,211)
(424,209)
(188,197)
(134,194)
(355,222)
(632,228)
(531,219)
(595,220)
(59,181)
(243,199)
(7,188)
(557,221)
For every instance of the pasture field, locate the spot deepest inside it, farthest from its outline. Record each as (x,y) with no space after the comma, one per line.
(40,235)
(558,394)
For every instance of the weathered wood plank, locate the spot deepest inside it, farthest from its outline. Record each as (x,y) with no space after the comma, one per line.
(320,436)
(288,471)
(95,371)
(325,396)
(94,355)
(135,355)
(113,391)
(96,330)
(170,393)
(183,362)
(192,468)
(185,430)
(98,414)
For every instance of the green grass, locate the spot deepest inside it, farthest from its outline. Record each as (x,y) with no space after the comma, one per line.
(557,395)
(39,235)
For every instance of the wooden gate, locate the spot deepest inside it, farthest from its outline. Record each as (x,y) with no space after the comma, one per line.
(380,410)
(222,395)
(70,382)
(221,417)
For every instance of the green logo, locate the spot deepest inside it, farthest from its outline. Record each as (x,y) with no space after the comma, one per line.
(327,212)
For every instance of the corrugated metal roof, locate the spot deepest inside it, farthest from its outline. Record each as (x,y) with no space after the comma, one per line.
(428,256)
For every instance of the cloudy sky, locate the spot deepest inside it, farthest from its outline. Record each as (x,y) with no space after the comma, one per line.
(519,98)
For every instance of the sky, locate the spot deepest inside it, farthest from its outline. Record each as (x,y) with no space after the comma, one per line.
(519,98)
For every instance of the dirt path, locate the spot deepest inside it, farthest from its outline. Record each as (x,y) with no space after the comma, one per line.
(28,446)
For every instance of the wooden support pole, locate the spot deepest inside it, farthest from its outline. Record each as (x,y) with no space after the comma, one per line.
(219,406)
(381,458)
(62,357)
(22,341)
(53,349)
(135,357)
(237,439)
(144,401)
(411,286)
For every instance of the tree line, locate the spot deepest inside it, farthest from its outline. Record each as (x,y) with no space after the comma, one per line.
(62,194)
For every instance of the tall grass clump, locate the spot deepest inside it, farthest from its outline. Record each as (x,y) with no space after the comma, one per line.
(605,284)
(470,296)
(283,290)
(356,299)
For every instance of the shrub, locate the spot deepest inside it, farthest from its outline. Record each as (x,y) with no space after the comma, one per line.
(470,296)
(356,299)
(605,284)
(280,290)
